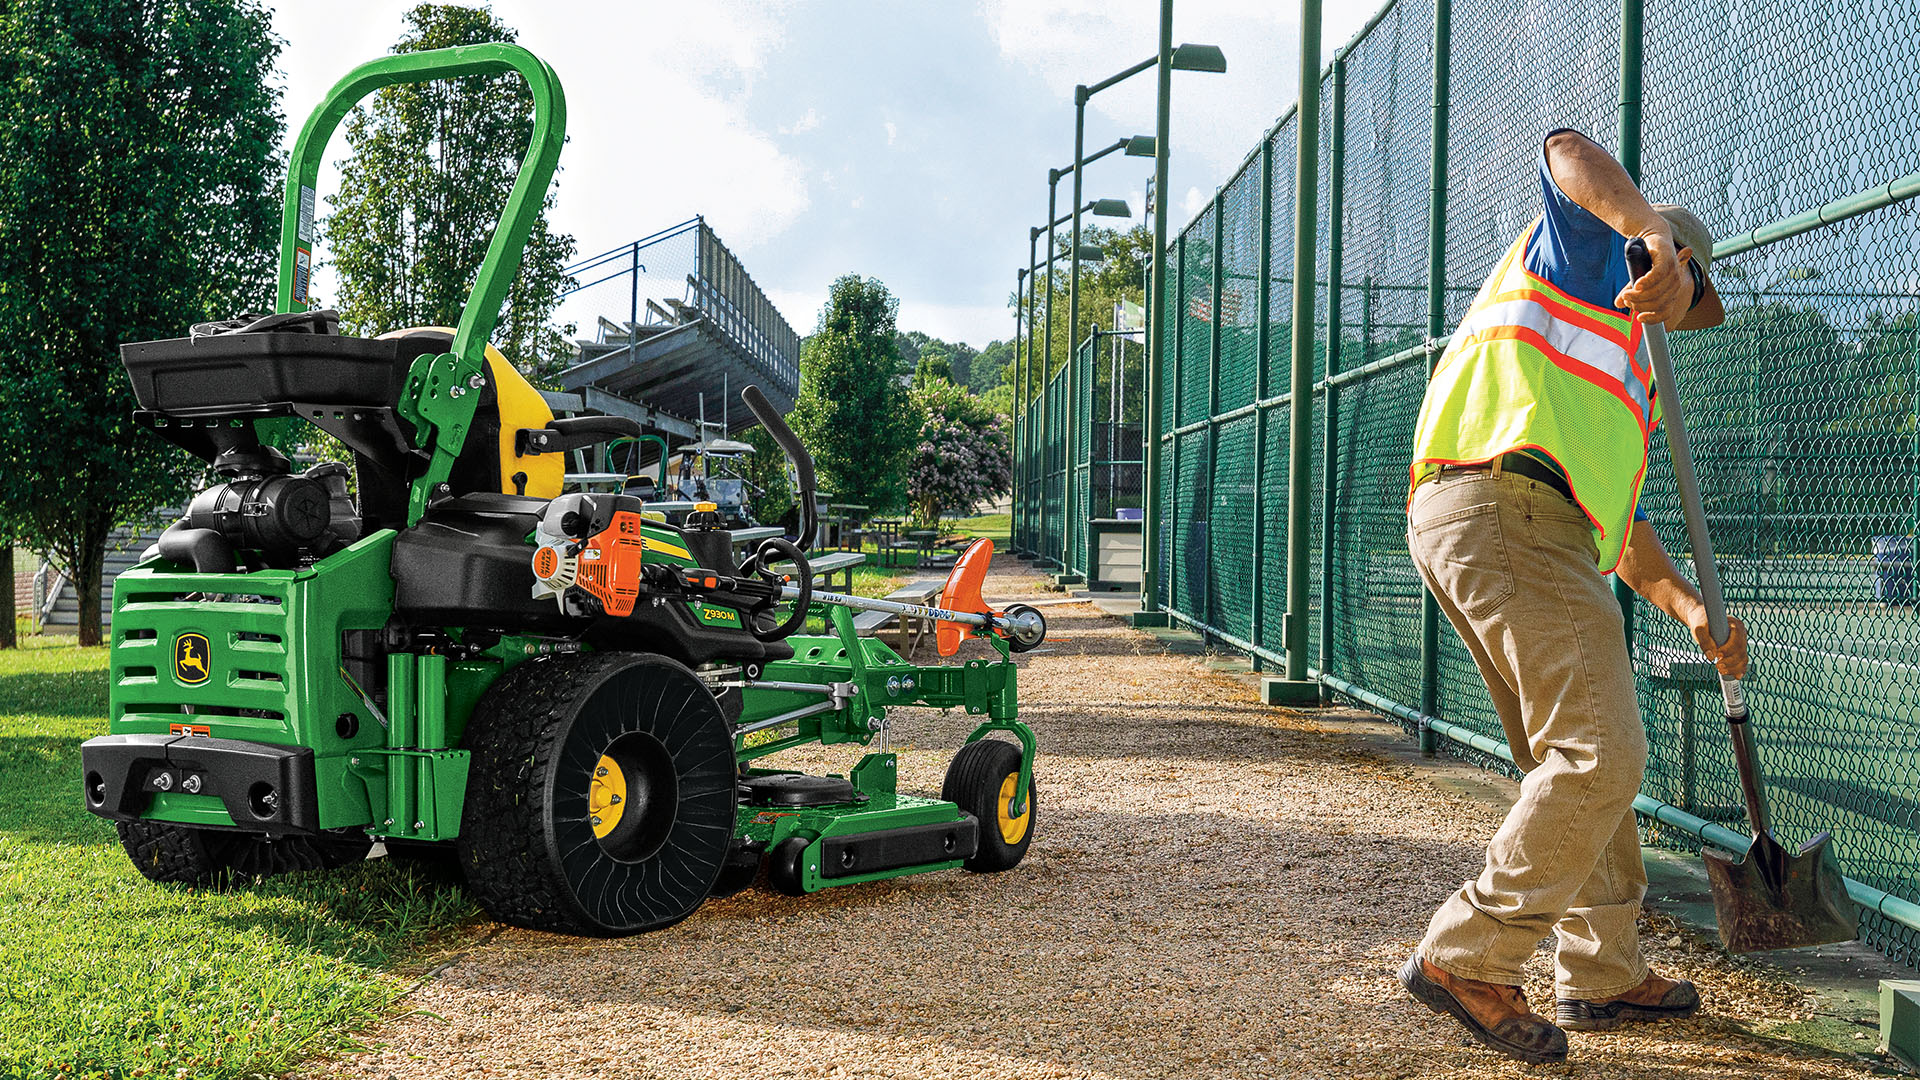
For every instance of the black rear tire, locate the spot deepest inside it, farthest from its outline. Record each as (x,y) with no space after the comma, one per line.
(981,781)
(228,858)
(541,845)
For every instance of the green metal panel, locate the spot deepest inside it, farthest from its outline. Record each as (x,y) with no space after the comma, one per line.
(273,666)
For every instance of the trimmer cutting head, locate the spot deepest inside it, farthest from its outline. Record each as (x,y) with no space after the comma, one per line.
(1773,899)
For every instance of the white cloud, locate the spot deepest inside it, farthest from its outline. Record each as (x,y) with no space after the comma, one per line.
(1196,201)
(893,132)
(806,123)
(657,123)
(975,324)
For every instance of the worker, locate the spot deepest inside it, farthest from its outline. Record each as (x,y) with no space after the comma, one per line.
(1528,460)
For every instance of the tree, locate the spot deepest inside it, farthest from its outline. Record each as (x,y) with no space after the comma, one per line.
(853,414)
(963,456)
(139,187)
(431,168)
(989,369)
(1118,276)
(766,469)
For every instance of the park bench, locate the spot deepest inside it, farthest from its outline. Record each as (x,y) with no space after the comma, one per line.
(755,534)
(908,630)
(827,564)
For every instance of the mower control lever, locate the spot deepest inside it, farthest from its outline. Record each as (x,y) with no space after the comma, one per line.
(573,433)
(764,412)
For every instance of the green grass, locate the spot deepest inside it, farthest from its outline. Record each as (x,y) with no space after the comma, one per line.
(995,527)
(104,974)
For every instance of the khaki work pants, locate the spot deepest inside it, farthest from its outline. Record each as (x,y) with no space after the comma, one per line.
(1514,566)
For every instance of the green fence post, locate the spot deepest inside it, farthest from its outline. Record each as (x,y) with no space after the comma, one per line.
(1296,688)
(1047,419)
(1336,231)
(1179,315)
(1032,545)
(1436,325)
(1214,308)
(1151,510)
(1262,349)
(1632,50)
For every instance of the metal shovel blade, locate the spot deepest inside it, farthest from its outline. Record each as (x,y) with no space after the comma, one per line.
(1772,899)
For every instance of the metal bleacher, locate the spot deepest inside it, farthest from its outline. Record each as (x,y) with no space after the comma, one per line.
(679,328)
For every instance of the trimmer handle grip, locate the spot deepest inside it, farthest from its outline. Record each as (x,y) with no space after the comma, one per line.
(776,426)
(1639,259)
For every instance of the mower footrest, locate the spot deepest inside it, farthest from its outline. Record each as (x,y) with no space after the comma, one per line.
(265,788)
(896,849)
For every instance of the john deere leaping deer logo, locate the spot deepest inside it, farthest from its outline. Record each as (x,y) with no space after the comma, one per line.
(191,654)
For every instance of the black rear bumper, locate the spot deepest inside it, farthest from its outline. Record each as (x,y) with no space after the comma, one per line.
(265,788)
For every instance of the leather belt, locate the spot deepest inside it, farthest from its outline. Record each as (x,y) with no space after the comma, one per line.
(1525,465)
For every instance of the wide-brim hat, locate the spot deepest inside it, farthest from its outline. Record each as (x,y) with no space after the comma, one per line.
(1690,232)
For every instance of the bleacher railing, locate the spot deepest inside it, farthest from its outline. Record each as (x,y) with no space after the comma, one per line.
(675,274)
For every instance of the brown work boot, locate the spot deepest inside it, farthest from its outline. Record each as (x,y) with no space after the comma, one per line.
(1654,999)
(1496,1016)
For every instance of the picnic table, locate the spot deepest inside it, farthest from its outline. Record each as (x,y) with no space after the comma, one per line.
(835,562)
(924,539)
(908,629)
(755,534)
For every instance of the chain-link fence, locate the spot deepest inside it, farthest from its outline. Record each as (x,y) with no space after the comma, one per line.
(1805,403)
(1100,473)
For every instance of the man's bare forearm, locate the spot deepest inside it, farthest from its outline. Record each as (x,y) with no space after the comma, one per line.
(1590,177)
(1649,571)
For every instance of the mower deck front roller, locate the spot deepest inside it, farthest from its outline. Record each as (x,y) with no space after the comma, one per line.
(601,799)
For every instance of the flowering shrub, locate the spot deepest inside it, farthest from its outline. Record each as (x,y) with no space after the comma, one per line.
(962,458)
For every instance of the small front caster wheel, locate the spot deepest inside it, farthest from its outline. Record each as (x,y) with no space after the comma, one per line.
(981,781)
(785,864)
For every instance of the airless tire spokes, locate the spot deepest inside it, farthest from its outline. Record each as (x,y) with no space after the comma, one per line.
(601,798)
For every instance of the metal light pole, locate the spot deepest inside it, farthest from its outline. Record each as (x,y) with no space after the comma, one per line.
(1046,367)
(1019,414)
(1138,146)
(1150,613)
(1046,361)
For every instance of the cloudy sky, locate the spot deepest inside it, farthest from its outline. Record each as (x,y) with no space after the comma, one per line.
(905,140)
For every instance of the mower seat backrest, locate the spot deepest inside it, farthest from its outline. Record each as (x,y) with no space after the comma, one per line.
(488,461)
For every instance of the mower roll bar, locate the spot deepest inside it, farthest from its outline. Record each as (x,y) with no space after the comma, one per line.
(504,252)
(770,419)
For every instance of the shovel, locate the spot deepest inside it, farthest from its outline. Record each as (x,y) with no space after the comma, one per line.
(1768,897)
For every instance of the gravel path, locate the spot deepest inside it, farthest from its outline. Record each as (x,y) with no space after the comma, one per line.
(1216,889)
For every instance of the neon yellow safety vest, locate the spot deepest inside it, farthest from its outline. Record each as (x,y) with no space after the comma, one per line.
(1533,368)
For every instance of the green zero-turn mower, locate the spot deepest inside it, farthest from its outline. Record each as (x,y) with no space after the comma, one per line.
(556,693)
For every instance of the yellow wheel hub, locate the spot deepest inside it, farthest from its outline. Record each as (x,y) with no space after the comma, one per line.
(1013,829)
(607,798)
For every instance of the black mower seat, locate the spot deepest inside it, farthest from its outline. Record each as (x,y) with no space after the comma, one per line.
(238,373)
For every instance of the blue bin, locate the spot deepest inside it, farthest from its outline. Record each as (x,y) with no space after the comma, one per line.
(1893,569)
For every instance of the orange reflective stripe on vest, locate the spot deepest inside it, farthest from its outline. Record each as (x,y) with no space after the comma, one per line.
(1531,367)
